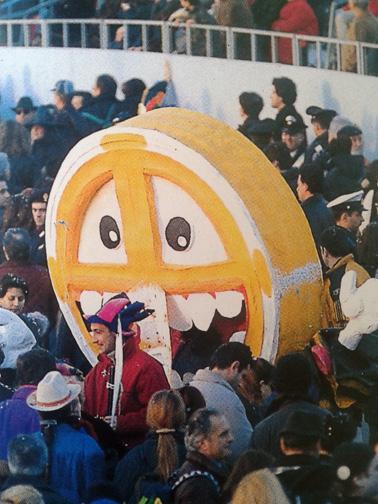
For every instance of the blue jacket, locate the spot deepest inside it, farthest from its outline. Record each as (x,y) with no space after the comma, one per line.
(77,462)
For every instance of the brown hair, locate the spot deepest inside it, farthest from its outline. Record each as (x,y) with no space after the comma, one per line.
(165,415)
(14,139)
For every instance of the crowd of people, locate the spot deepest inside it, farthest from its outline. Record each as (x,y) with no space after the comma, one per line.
(240,429)
(355,20)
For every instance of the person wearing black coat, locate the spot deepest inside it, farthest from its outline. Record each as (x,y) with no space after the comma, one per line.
(104,106)
(161,453)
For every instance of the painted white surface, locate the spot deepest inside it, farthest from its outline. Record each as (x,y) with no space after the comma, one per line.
(91,248)
(207,85)
(204,246)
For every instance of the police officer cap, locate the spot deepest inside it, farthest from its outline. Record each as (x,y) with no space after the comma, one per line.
(352,201)
(293,124)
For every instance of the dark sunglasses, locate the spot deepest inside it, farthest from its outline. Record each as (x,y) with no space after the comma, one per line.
(22,111)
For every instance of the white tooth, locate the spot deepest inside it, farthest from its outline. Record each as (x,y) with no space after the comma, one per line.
(106,296)
(229,303)
(238,336)
(91,302)
(155,335)
(201,307)
(178,316)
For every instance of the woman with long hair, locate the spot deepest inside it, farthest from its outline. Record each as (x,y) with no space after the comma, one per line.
(15,142)
(162,452)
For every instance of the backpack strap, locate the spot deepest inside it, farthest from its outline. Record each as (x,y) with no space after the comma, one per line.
(196,474)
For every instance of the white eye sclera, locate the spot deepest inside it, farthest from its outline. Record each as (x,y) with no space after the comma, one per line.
(187,235)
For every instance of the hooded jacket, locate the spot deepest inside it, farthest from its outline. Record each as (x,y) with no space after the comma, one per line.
(220,395)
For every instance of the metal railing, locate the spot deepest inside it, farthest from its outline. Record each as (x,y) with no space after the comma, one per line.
(196,40)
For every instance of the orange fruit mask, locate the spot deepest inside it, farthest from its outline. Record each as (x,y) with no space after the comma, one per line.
(180,211)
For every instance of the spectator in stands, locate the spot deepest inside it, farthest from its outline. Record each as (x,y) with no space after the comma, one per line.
(38,206)
(296,16)
(283,96)
(15,415)
(208,440)
(71,126)
(335,126)
(197,14)
(216,384)
(355,135)
(133,91)
(24,109)
(363,28)
(80,99)
(4,197)
(15,142)
(291,380)
(27,460)
(314,206)
(164,449)
(321,9)
(299,468)
(76,460)
(251,104)
(320,120)
(46,144)
(337,248)
(104,105)
(135,10)
(17,253)
(294,137)
(345,172)
(236,13)
(279,155)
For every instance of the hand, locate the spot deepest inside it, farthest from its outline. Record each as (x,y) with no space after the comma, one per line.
(108,420)
(120,33)
(166,71)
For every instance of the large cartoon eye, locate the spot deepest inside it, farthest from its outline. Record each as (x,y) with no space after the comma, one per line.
(178,233)
(186,233)
(109,232)
(101,238)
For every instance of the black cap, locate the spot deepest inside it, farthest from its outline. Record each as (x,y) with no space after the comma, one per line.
(293,125)
(26,104)
(39,196)
(338,241)
(349,131)
(42,117)
(303,423)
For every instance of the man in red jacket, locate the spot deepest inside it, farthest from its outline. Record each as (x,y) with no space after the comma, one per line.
(296,16)
(119,387)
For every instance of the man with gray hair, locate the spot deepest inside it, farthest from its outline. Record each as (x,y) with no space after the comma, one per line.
(27,461)
(208,441)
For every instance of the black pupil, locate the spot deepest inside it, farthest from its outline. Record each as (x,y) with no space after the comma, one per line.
(178,233)
(109,232)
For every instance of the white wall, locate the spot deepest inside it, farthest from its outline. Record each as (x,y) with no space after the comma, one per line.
(208,85)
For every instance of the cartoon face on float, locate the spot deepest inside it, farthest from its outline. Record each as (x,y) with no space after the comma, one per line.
(180,211)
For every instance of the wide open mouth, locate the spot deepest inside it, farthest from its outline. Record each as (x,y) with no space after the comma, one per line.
(177,317)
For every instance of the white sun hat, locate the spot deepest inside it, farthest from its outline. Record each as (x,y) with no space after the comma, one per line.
(53,393)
